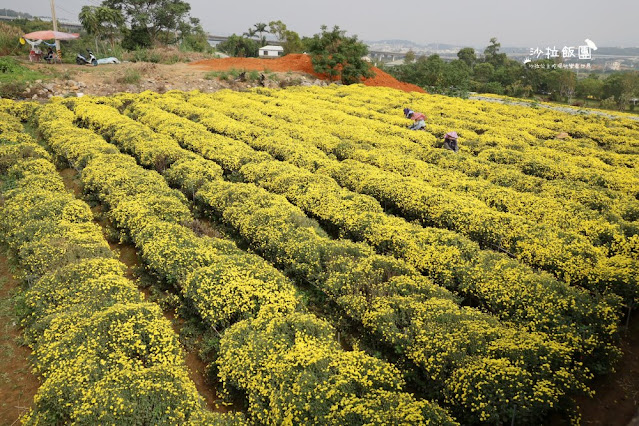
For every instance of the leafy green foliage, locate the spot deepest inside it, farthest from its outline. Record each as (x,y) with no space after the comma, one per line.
(339,56)
(239,46)
(101,22)
(9,39)
(622,87)
(156,21)
(290,40)
(14,78)
(433,73)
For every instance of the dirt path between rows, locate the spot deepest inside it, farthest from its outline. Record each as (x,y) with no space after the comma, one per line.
(17,385)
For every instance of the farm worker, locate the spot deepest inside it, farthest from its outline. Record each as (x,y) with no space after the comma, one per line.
(450,141)
(418,117)
(35,53)
(49,56)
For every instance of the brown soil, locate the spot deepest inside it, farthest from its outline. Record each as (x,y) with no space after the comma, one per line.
(296,63)
(135,77)
(17,385)
(196,368)
(69,177)
(129,77)
(104,80)
(616,398)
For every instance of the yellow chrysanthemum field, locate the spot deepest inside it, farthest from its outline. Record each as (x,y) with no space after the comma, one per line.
(486,286)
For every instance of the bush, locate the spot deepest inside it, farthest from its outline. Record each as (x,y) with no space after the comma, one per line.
(609,103)
(136,38)
(12,89)
(14,78)
(163,55)
(9,39)
(493,87)
(131,76)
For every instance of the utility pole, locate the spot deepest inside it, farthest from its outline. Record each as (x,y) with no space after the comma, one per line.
(55,28)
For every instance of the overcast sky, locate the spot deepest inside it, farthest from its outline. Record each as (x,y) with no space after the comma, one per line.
(529,23)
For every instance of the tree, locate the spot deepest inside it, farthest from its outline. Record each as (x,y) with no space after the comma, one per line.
(622,87)
(492,55)
(467,54)
(437,76)
(536,77)
(567,84)
(259,28)
(192,36)
(278,29)
(160,19)
(291,41)
(410,57)
(509,72)
(101,22)
(239,46)
(483,72)
(338,56)
(431,71)
(456,75)
(590,87)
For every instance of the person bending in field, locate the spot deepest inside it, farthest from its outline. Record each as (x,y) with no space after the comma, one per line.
(450,141)
(418,117)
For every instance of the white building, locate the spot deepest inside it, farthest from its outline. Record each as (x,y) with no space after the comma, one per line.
(613,65)
(271,51)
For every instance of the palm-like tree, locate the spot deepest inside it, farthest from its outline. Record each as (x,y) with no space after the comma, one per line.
(99,21)
(259,28)
(112,21)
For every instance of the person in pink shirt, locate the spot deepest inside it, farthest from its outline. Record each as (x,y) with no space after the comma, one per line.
(418,117)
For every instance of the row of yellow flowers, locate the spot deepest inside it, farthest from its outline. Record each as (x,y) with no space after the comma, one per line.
(533,164)
(231,289)
(600,260)
(383,294)
(390,159)
(525,124)
(103,354)
(487,165)
(506,288)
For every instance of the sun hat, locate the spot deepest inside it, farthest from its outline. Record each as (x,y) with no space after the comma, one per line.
(451,135)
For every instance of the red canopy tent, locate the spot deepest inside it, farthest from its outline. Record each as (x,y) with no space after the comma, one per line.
(35,54)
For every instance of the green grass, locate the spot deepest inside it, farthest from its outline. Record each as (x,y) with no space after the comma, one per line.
(11,70)
(212,75)
(15,77)
(235,73)
(131,76)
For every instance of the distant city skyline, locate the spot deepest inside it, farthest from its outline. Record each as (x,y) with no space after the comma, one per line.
(522,24)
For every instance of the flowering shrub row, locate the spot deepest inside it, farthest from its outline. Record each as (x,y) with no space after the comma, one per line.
(405,311)
(604,265)
(233,290)
(508,289)
(565,214)
(618,136)
(420,145)
(472,165)
(389,298)
(103,354)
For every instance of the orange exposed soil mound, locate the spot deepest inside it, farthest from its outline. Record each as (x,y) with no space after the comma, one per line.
(297,63)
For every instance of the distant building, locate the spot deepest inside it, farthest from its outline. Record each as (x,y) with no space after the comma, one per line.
(395,63)
(613,65)
(271,51)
